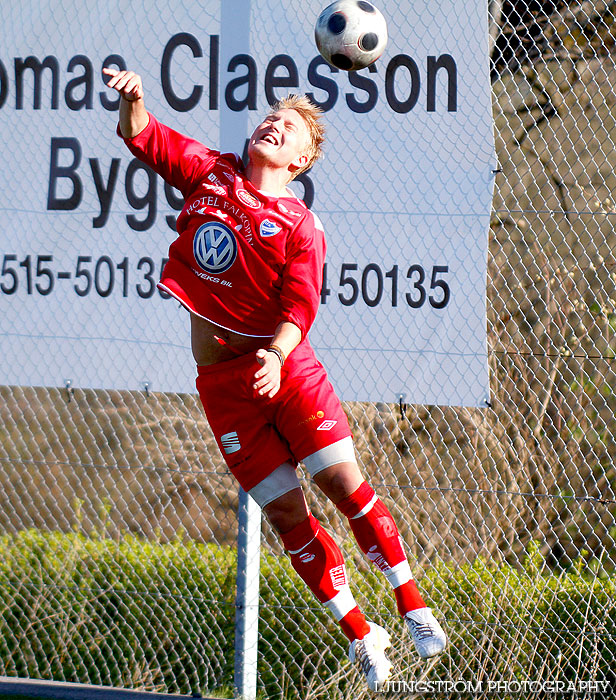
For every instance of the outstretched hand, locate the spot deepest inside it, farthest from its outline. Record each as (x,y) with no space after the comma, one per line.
(126,82)
(267,379)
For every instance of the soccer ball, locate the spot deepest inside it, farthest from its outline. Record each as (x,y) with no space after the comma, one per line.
(350,34)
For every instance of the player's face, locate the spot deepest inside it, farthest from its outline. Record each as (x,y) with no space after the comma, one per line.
(281,140)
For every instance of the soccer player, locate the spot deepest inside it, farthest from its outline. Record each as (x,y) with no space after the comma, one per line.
(247,264)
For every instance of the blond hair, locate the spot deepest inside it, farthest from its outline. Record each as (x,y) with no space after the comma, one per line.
(312,116)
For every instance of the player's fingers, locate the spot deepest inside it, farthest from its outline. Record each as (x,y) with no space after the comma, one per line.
(263,383)
(116,82)
(260,373)
(260,381)
(125,79)
(118,77)
(133,88)
(112,83)
(262,356)
(122,80)
(273,391)
(134,81)
(264,389)
(266,383)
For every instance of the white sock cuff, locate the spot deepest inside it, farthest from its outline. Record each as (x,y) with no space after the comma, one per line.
(342,603)
(399,574)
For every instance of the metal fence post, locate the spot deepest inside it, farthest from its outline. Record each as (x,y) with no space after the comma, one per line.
(247,598)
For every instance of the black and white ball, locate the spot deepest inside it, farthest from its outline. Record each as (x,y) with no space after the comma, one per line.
(351,34)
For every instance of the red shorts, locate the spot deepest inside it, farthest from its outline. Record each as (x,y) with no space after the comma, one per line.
(256,434)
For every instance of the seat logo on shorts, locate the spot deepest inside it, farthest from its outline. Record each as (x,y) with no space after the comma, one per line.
(230,443)
(214,247)
(327,425)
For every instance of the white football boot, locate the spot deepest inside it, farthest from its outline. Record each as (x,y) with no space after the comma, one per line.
(369,653)
(427,634)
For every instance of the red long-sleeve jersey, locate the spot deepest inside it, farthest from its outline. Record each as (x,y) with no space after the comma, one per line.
(243,260)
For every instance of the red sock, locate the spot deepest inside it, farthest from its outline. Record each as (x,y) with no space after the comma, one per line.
(378,537)
(318,560)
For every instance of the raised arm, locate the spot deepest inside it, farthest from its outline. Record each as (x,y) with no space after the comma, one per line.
(133,115)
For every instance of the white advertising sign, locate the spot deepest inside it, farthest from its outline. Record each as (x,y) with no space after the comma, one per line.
(404,191)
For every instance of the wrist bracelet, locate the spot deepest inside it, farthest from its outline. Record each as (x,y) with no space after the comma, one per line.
(278,352)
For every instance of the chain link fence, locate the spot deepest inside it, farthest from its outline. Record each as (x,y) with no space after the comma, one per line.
(118,515)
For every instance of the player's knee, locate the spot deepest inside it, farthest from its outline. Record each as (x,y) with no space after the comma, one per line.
(287,511)
(339,481)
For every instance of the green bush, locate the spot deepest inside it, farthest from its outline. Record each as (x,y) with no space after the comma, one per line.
(526,624)
(129,613)
(157,616)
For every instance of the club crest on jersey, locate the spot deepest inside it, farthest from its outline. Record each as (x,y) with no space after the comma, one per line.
(269,228)
(214,247)
(248,199)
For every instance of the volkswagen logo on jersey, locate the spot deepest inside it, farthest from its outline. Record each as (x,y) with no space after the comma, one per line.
(214,247)
(269,228)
